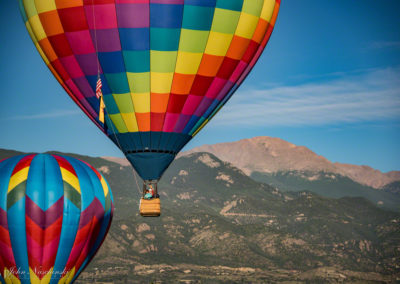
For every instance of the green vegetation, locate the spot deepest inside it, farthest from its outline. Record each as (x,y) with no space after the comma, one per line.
(393,187)
(331,185)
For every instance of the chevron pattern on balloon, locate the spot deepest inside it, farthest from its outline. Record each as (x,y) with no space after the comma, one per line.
(17,184)
(89,226)
(72,190)
(43,229)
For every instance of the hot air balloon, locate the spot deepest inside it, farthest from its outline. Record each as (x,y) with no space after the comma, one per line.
(55,212)
(164,67)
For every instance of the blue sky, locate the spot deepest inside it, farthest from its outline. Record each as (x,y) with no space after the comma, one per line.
(329,79)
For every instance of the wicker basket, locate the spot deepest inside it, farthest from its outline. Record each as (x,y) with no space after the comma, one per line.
(150,207)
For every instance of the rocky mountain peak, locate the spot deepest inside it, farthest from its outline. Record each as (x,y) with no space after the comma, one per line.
(270,155)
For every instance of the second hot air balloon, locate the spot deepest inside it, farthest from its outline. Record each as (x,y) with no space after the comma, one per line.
(55,212)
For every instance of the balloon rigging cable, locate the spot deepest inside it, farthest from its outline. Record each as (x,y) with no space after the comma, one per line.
(137,185)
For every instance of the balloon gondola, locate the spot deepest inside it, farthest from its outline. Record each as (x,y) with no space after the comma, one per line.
(164,67)
(150,206)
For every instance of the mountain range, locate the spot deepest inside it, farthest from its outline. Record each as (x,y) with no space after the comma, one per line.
(218,225)
(221,225)
(272,155)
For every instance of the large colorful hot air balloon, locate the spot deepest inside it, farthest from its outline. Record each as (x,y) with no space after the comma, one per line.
(165,66)
(55,212)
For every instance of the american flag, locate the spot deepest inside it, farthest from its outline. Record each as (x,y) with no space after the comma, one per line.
(98,88)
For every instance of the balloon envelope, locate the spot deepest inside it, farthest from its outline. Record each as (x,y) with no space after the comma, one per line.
(166,66)
(55,212)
